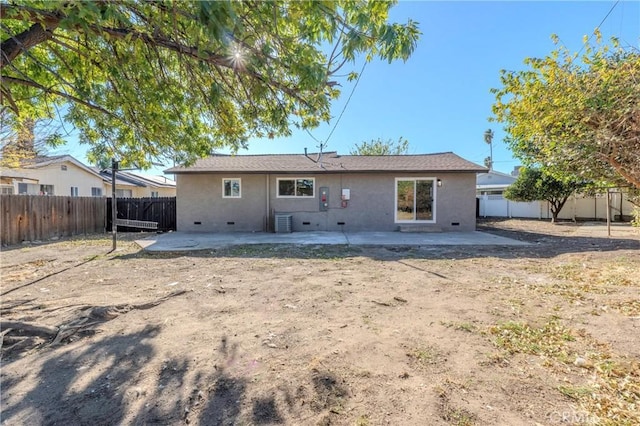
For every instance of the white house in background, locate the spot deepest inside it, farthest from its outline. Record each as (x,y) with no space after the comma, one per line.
(490,189)
(493,183)
(52,175)
(134,185)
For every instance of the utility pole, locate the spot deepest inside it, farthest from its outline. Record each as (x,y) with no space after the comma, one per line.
(114,206)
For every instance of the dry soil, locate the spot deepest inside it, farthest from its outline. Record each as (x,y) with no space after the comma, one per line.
(547,333)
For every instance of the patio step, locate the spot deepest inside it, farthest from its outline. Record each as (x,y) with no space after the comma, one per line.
(419,228)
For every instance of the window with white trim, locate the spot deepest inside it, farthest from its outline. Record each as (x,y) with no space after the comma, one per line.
(415,200)
(154,194)
(296,187)
(231,188)
(46,190)
(96,191)
(124,193)
(74,191)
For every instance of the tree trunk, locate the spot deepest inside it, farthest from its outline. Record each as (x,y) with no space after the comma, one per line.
(20,43)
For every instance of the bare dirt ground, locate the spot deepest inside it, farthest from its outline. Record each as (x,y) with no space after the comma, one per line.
(542,334)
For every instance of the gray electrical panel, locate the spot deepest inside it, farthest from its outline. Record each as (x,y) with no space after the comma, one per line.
(324,198)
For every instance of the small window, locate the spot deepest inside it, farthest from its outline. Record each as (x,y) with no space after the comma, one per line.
(74,191)
(296,187)
(46,190)
(154,194)
(124,193)
(7,190)
(22,188)
(96,192)
(63,167)
(231,188)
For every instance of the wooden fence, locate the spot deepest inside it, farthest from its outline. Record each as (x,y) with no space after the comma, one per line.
(161,210)
(37,217)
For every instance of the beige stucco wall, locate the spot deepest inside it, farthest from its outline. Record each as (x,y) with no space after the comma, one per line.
(62,180)
(140,192)
(371,207)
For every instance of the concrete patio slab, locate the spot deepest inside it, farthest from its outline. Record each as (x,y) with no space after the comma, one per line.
(186,241)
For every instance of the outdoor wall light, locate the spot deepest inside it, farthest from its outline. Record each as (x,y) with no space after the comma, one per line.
(439,183)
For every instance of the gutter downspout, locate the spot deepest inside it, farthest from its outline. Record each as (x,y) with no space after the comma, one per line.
(267,200)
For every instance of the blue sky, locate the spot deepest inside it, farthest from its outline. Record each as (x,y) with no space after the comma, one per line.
(439,99)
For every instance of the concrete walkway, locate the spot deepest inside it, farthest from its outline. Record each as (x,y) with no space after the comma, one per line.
(186,241)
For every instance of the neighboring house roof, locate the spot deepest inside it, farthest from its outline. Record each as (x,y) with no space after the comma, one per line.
(159,181)
(493,178)
(132,179)
(330,162)
(43,161)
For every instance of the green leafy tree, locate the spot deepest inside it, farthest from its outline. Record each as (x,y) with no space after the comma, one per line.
(536,185)
(169,79)
(576,114)
(380,147)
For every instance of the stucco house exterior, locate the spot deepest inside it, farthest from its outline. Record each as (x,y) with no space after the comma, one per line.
(52,175)
(327,192)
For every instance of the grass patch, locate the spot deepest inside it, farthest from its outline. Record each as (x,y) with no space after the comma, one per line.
(613,394)
(629,308)
(549,340)
(460,326)
(576,392)
(428,355)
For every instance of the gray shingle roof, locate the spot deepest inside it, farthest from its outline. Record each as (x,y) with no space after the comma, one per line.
(330,162)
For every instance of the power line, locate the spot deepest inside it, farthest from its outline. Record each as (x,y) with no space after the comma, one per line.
(599,25)
(347,103)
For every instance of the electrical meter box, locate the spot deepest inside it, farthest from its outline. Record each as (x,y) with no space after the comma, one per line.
(324,198)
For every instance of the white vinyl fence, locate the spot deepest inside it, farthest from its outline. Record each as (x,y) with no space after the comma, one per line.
(577,207)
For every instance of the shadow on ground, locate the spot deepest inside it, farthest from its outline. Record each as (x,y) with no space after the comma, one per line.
(120,380)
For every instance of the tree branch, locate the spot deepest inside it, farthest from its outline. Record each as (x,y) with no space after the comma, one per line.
(58,93)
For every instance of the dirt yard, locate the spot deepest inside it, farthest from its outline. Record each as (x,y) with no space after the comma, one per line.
(531,335)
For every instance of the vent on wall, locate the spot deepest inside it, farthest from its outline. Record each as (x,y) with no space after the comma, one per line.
(283,223)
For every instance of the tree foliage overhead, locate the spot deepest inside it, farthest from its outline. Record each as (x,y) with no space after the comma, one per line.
(380,147)
(144,80)
(536,185)
(576,114)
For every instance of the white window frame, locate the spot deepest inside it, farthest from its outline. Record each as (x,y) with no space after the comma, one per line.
(74,191)
(122,192)
(95,189)
(154,194)
(295,179)
(239,188)
(434,184)
(52,187)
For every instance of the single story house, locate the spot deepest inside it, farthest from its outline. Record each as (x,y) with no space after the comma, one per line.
(327,192)
(52,175)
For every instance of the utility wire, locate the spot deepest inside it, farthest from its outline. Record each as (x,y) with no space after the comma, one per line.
(347,103)
(599,25)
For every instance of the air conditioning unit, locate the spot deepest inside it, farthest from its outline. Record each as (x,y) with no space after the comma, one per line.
(283,223)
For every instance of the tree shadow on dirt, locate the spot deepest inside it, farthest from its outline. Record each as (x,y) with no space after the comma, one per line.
(86,386)
(110,381)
